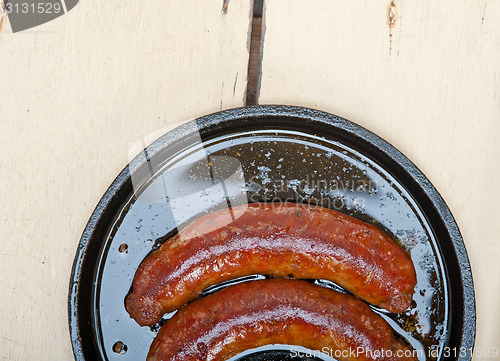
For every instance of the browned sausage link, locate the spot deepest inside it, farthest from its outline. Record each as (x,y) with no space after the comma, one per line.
(276,311)
(283,240)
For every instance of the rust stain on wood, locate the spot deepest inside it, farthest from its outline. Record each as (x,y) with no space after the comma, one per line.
(225,5)
(392,17)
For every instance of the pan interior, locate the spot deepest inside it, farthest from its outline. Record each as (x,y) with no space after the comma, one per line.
(272,165)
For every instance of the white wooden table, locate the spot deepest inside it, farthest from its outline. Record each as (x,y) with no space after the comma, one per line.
(76,92)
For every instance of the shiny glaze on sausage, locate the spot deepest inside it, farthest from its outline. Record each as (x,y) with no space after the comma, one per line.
(274,239)
(276,311)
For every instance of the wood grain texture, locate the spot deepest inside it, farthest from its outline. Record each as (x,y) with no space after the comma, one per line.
(75,94)
(423,75)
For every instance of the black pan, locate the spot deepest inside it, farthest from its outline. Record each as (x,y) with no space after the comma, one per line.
(269,153)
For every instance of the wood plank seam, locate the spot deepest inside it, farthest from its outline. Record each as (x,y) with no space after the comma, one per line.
(255,55)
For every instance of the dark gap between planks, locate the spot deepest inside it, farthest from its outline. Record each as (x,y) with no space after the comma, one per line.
(255,58)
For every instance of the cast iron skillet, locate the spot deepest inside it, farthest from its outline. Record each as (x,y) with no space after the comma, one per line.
(283,153)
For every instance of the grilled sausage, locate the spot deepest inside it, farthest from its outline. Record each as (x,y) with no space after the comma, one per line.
(274,239)
(276,311)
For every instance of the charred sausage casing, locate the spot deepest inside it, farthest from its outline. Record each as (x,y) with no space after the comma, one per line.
(277,311)
(274,239)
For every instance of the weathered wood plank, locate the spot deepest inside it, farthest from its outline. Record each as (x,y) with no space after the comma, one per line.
(423,75)
(75,94)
